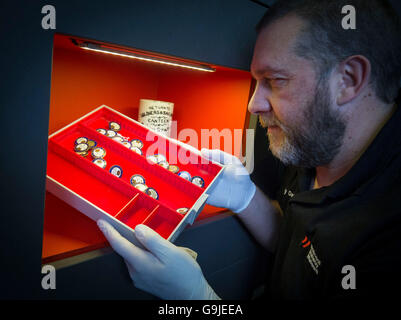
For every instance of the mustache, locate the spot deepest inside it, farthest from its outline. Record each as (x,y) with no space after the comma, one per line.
(270,122)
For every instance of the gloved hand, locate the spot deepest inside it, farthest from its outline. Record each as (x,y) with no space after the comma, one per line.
(164,270)
(234,189)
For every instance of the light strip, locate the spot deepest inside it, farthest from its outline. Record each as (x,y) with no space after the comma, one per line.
(143,57)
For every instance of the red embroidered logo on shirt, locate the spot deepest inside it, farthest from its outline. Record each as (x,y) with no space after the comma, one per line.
(305,242)
(312,258)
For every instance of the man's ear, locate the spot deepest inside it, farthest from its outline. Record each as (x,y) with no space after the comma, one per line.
(354,77)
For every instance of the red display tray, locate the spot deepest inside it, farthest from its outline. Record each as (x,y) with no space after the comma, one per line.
(97,193)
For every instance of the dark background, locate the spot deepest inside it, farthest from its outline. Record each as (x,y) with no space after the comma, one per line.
(219,32)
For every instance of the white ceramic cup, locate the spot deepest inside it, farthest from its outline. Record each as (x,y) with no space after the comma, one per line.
(156,115)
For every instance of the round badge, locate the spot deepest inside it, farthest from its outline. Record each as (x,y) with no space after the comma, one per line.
(114,126)
(91,144)
(160,158)
(142,187)
(118,139)
(182,210)
(152,159)
(102,131)
(152,192)
(127,144)
(185,174)
(81,140)
(98,152)
(84,153)
(164,164)
(116,170)
(111,133)
(198,181)
(100,162)
(137,143)
(82,147)
(173,168)
(137,179)
(137,150)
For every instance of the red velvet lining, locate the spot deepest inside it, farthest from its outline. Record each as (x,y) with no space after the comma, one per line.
(116,195)
(170,149)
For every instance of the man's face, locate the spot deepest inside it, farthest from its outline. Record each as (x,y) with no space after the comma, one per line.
(292,100)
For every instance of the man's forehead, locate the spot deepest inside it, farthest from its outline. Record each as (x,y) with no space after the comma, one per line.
(274,46)
(259,70)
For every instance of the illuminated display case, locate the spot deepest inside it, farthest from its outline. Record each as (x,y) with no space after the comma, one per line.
(208,108)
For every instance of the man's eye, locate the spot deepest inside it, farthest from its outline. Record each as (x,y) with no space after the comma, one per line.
(277,82)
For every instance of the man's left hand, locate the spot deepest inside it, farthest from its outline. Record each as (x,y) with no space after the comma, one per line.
(163,269)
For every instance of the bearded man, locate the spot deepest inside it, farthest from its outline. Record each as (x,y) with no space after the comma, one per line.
(326,201)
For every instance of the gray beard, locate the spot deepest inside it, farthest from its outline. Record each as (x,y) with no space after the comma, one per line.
(318,141)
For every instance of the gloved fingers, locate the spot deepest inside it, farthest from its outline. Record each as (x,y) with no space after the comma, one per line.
(121,245)
(154,242)
(217,201)
(135,275)
(236,170)
(131,269)
(192,253)
(220,156)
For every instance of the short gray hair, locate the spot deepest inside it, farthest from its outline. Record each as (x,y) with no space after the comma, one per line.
(377,37)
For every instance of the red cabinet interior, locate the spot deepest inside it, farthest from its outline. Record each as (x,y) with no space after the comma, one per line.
(83,80)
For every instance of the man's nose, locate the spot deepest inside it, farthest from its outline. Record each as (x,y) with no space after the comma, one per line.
(259,102)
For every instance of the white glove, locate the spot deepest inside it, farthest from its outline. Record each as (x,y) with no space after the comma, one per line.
(164,270)
(234,188)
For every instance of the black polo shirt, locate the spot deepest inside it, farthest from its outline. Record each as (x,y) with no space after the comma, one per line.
(342,236)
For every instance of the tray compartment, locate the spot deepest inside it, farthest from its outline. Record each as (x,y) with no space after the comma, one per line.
(78,178)
(129,129)
(174,191)
(87,180)
(163,220)
(137,210)
(170,148)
